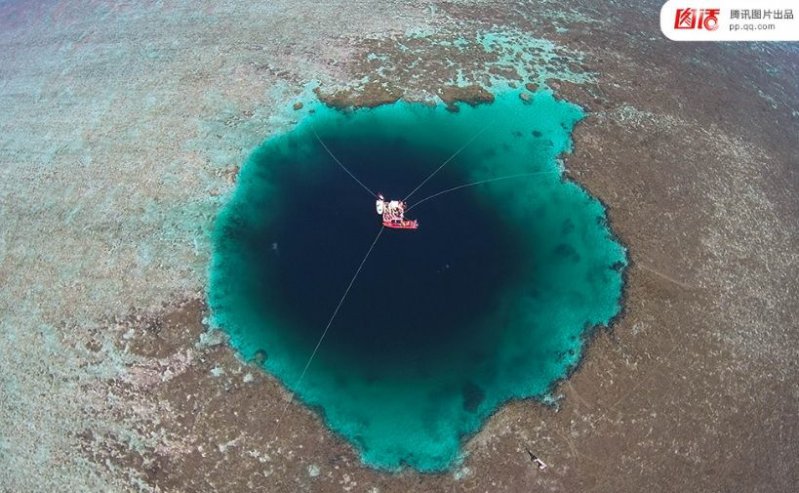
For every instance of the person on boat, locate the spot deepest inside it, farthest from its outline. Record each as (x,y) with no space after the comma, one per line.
(393,213)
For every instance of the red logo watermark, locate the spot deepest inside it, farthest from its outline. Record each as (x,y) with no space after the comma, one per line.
(707,19)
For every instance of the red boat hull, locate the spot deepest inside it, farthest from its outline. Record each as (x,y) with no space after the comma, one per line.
(404,224)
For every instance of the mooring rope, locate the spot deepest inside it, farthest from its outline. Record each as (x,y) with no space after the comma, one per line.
(459,187)
(327,327)
(342,166)
(464,146)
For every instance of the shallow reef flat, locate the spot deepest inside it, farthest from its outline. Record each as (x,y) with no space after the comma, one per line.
(123,131)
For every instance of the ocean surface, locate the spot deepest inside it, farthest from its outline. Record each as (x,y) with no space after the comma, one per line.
(489,300)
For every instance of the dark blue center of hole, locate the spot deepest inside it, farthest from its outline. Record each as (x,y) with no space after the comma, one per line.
(419,291)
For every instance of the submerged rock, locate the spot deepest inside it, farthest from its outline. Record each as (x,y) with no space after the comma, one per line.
(472,95)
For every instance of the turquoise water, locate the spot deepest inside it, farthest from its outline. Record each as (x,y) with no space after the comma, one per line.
(490,300)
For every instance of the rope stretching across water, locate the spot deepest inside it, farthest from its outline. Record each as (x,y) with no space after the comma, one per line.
(342,166)
(464,146)
(420,185)
(327,327)
(459,187)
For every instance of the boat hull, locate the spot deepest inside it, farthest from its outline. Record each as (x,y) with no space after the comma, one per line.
(403,224)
